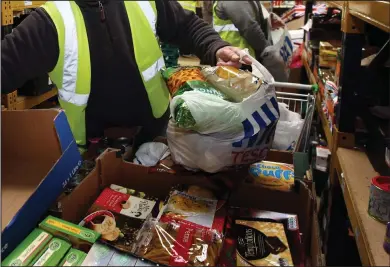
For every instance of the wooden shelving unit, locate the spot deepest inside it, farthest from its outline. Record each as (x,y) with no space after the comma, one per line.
(376,13)
(13,101)
(351,169)
(314,80)
(354,172)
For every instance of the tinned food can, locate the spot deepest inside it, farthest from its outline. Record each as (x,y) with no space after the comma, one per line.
(379,202)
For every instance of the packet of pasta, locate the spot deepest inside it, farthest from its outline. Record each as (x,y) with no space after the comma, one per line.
(195,205)
(235,83)
(178,244)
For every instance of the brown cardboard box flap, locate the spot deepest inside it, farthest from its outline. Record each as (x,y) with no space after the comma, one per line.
(23,168)
(113,170)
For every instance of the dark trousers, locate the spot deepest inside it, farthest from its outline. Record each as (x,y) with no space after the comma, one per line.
(151,130)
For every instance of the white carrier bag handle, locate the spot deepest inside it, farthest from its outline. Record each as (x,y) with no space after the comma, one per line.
(271,81)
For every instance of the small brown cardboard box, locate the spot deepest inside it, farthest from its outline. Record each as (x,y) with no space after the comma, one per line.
(111,169)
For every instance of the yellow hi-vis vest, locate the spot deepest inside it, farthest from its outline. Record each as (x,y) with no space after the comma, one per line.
(72,74)
(228,32)
(189,5)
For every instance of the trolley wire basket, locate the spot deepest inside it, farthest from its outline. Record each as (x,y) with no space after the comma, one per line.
(304,104)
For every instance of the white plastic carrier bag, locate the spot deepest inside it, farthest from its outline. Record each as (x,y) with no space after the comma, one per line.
(231,134)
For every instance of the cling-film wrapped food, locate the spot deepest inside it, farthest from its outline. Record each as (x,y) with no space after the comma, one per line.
(235,83)
(188,231)
(185,79)
(179,244)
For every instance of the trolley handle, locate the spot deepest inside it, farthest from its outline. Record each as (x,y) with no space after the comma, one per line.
(308,87)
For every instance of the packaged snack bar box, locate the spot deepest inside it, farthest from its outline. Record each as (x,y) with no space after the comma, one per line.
(53,253)
(122,259)
(81,238)
(99,255)
(24,254)
(73,258)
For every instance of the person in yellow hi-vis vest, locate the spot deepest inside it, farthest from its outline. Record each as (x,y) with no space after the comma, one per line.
(105,59)
(244,25)
(189,5)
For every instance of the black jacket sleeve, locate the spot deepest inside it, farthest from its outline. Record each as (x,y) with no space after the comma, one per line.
(186,30)
(30,50)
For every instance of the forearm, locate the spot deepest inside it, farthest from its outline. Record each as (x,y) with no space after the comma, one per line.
(30,50)
(186,30)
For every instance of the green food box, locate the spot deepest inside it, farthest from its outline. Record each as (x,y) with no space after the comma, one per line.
(81,238)
(53,253)
(25,252)
(73,258)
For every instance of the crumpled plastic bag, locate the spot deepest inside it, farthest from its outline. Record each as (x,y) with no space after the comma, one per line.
(288,129)
(149,154)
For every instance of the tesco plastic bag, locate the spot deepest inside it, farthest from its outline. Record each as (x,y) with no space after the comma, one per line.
(279,55)
(288,129)
(226,134)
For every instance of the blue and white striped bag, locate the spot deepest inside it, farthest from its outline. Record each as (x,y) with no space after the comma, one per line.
(232,133)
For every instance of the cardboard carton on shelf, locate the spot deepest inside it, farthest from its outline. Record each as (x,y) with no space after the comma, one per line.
(39,155)
(111,169)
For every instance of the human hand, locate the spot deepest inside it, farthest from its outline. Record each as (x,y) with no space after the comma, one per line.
(230,56)
(276,22)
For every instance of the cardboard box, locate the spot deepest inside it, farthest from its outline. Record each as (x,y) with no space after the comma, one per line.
(73,258)
(53,253)
(26,251)
(39,155)
(81,238)
(111,169)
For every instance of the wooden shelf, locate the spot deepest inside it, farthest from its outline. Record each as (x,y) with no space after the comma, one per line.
(27,102)
(335,4)
(324,120)
(22,5)
(355,172)
(376,13)
(13,101)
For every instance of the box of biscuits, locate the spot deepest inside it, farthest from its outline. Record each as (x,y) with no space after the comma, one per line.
(261,238)
(273,175)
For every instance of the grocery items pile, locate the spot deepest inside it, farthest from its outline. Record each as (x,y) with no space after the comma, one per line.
(221,116)
(192,226)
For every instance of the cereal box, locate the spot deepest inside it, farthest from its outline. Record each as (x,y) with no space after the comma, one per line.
(118,214)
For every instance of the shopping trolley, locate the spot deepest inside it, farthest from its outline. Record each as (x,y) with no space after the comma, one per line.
(304,104)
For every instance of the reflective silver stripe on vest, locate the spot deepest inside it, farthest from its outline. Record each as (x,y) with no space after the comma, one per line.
(225,28)
(150,72)
(149,14)
(148,11)
(74,98)
(69,79)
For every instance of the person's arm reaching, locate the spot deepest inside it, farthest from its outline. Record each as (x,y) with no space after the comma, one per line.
(29,51)
(241,13)
(185,29)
